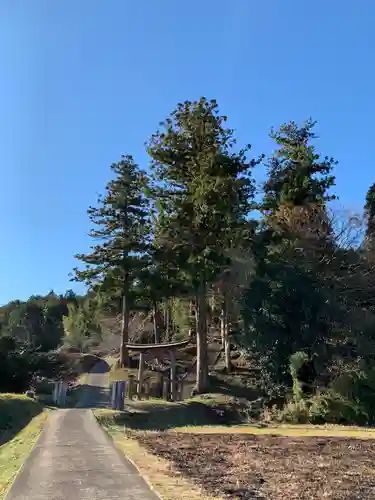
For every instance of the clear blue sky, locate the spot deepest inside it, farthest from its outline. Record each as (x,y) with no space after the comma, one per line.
(82,81)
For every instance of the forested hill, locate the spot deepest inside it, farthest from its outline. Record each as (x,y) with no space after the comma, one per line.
(37,321)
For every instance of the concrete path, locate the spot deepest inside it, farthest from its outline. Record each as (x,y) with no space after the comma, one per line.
(74,459)
(96,392)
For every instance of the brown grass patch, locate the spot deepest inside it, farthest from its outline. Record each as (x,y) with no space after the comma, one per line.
(269,467)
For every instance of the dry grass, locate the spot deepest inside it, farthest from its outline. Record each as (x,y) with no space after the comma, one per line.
(82,379)
(285,430)
(14,452)
(166,481)
(123,374)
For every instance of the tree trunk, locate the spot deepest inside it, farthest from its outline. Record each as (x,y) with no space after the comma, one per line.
(192,320)
(141,370)
(168,332)
(202,358)
(155,314)
(124,352)
(173,375)
(224,327)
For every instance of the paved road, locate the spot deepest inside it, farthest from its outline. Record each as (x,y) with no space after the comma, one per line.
(96,392)
(75,460)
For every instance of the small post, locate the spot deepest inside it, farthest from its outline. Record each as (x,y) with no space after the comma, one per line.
(64,389)
(116,395)
(58,393)
(131,382)
(54,394)
(113,396)
(173,374)
(165,388)
(120,395)
(140,374)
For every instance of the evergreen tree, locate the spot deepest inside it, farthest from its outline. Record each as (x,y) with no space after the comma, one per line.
(370,215)
(207,194)
(288,307)
(297,176)
(121,232)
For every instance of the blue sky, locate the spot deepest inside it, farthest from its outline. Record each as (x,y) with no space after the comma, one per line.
(82,81)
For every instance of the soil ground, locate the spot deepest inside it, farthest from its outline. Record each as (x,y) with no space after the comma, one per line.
(245,466)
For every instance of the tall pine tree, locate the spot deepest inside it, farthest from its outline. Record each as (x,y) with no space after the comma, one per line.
(121,234)
(286,306)
(297,175)
(207,192)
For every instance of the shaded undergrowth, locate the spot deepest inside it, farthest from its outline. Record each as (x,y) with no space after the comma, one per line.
(161,415)
(16,411)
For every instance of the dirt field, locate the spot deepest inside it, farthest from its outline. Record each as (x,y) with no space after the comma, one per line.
(269,467)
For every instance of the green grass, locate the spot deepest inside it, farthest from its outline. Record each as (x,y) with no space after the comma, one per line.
(21,421)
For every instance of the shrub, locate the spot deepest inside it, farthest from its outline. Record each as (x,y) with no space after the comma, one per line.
(294,412)
(334,408)
(328,407)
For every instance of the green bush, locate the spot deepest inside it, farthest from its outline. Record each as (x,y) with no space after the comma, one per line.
(333,408)
(328,407)
(294,412)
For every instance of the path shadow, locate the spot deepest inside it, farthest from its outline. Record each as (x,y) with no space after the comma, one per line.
(100,367)
(92,396)
(95,392)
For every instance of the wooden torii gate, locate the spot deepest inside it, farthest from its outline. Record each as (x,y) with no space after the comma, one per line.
(147,352)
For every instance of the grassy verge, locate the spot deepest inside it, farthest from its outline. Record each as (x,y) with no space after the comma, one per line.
(21,421)
(200,416)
